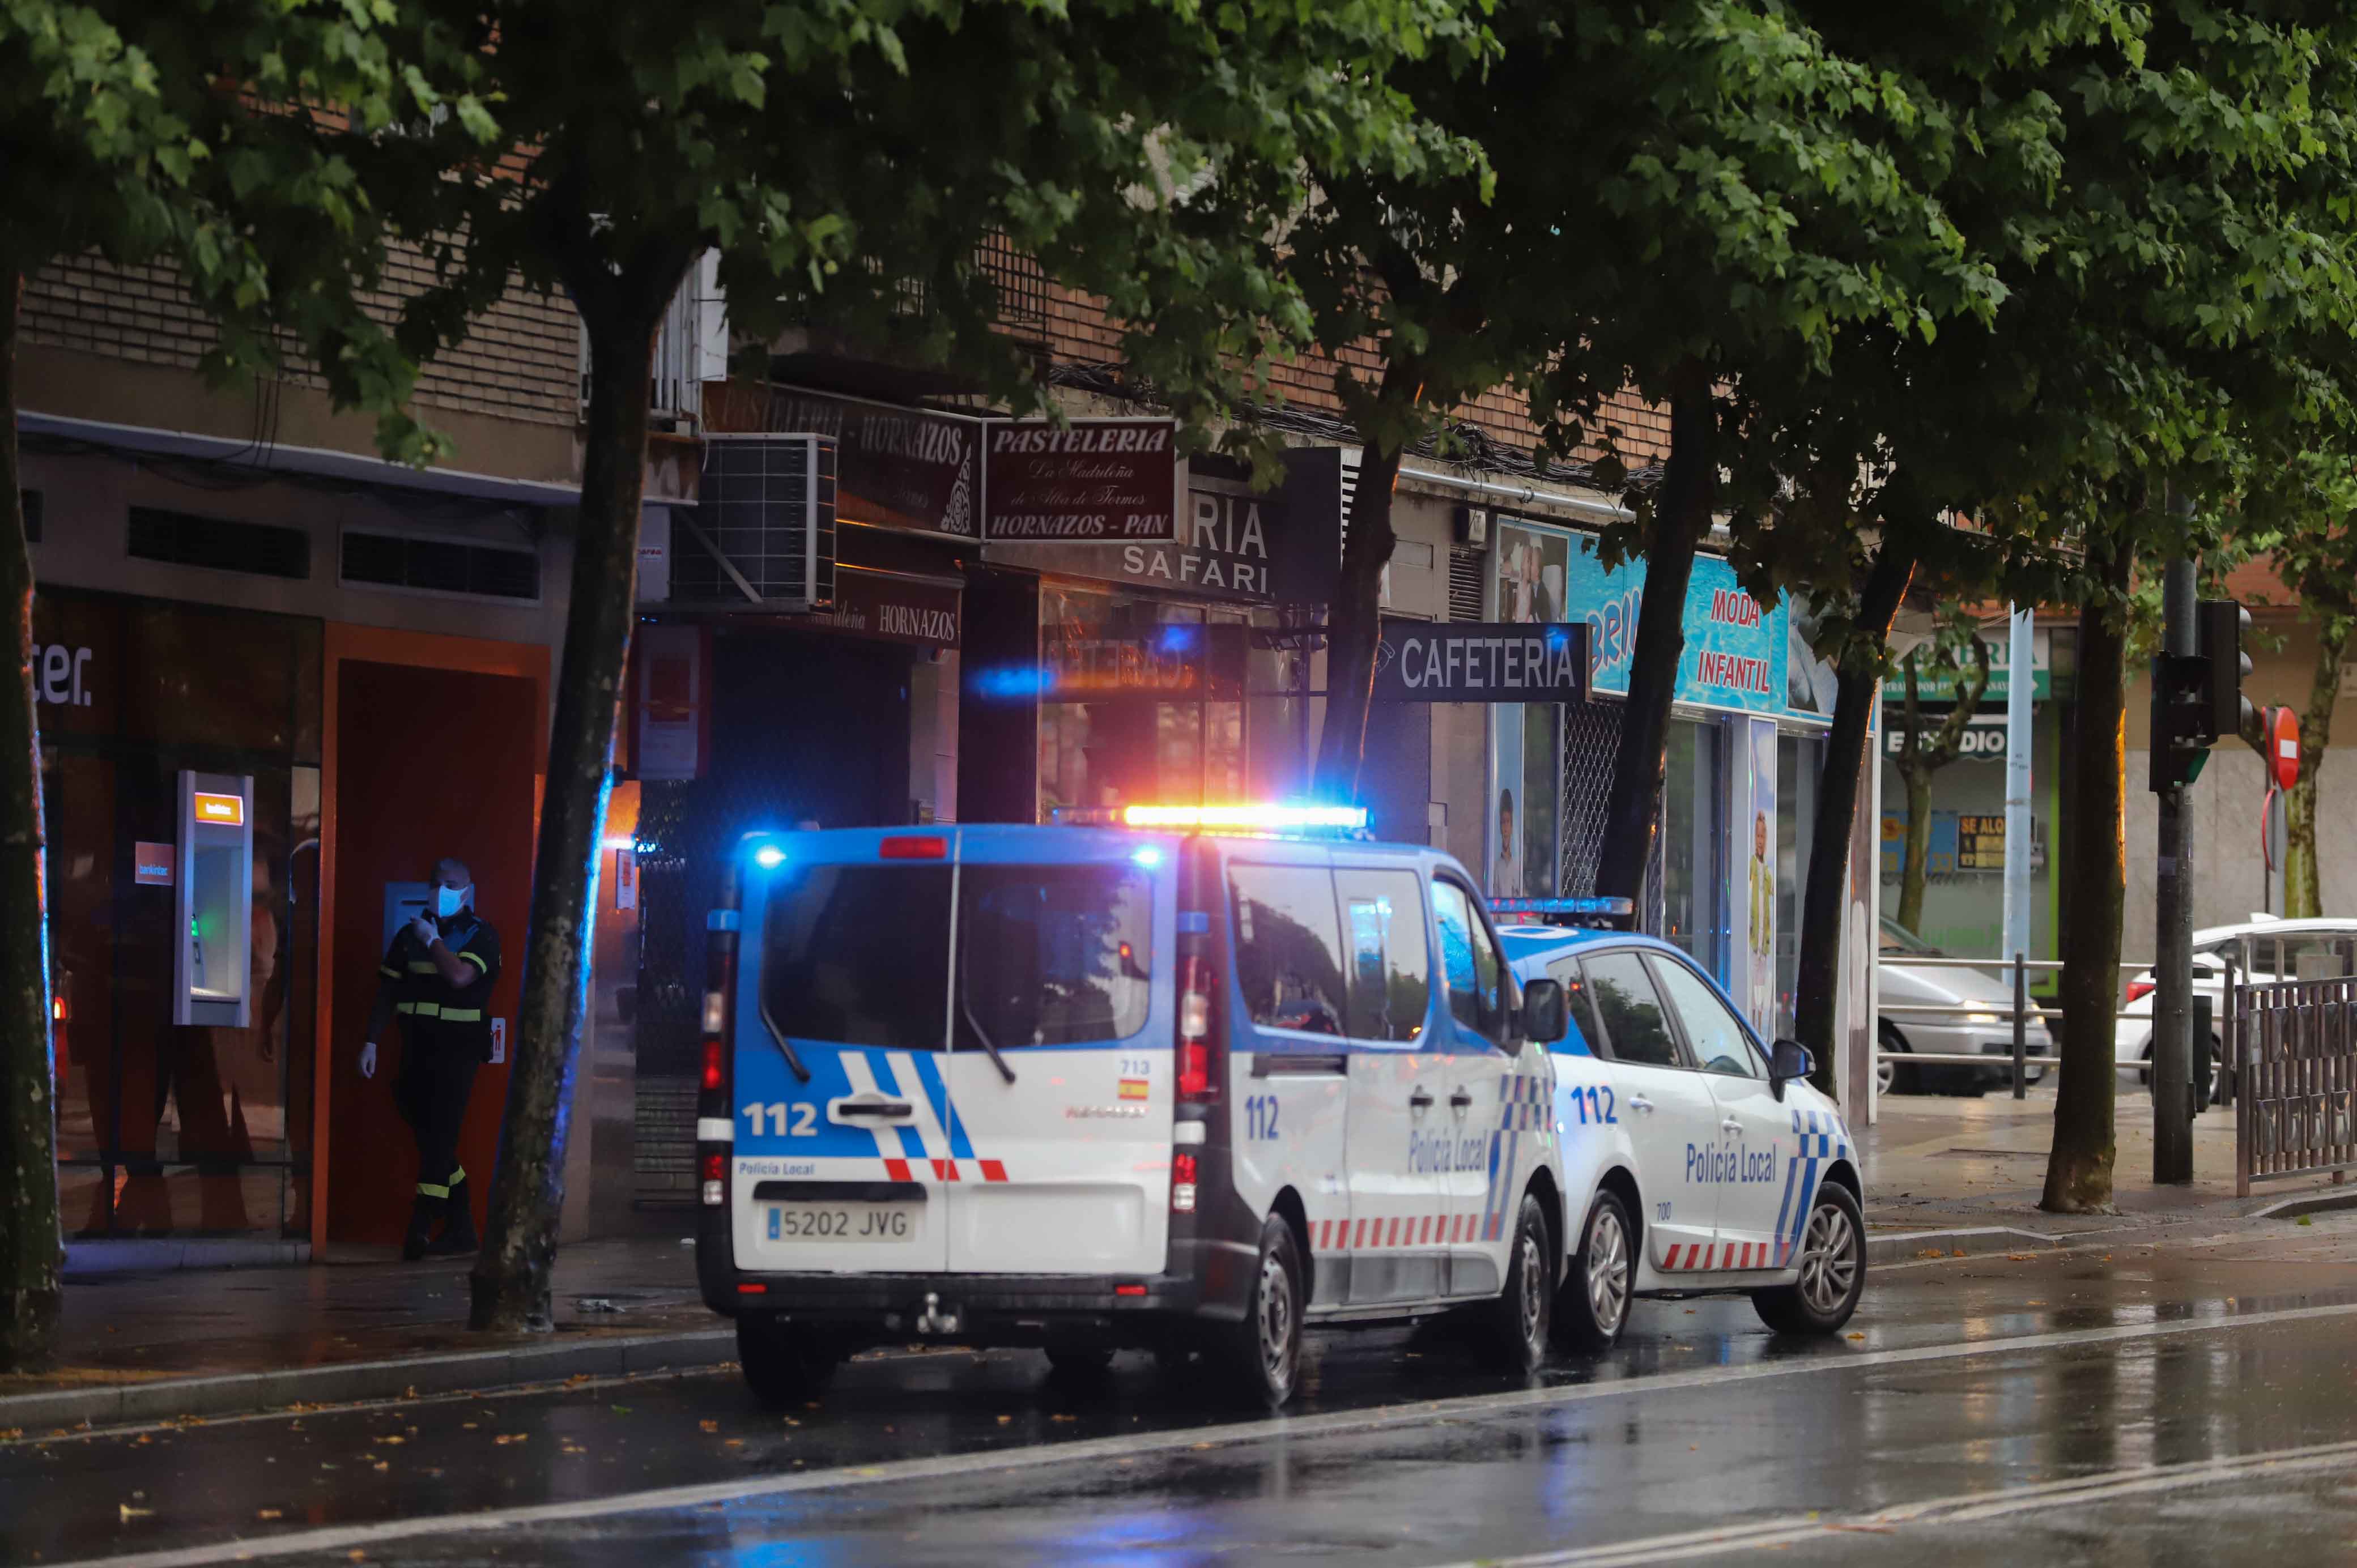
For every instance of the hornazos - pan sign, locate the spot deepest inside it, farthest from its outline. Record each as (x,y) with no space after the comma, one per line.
(1108,479)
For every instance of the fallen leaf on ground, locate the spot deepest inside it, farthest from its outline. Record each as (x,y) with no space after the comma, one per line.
(1858,1336)
(269,1513)
(130,1513)
(709,1425)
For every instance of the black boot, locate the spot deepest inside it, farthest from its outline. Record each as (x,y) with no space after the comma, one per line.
(422,1216)
(458,1229)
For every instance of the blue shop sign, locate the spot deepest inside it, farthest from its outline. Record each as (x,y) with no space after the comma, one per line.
(1736,653)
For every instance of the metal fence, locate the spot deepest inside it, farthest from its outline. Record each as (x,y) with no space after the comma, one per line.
(2294,1047)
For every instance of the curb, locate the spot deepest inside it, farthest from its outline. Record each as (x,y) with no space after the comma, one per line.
(1905,1246)
(2320,1203)
(241,1393)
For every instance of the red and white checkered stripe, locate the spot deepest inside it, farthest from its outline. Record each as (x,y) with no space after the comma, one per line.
(1391,1233)
(947,1170)
(1710,1256)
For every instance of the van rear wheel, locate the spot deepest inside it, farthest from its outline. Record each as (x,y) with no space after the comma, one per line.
(784,1363)
(1262,1355)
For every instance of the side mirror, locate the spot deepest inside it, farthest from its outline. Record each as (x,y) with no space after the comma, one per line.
(1788,1059)
(1542,1012)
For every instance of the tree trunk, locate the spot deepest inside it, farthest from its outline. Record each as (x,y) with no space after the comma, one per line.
(1911,876)
(2079,1167)
(2303,885)
(30,1259)
(1817,982)
(511,1274)
(1354,623)
(1680,518)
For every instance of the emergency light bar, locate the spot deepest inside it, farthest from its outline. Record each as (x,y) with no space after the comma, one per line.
(1568,911)
(1250,819)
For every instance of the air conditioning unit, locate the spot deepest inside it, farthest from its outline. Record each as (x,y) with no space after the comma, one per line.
(761,536)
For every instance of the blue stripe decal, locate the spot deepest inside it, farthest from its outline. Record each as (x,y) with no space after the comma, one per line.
(721,920)
(928,1073)
(912,1146)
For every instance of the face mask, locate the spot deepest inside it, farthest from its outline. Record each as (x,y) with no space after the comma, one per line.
(449,901)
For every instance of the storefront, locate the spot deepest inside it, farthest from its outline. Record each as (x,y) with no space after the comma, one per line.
(1188,670)
(1743,757)
(256,735)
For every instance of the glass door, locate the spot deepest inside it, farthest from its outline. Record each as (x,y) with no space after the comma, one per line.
(1694,860)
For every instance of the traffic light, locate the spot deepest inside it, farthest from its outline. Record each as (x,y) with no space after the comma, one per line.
(2221,624)
(2198,698)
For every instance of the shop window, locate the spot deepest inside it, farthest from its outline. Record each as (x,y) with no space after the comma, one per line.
(441,566)
(1693,861)
(186,540)
(1288,948)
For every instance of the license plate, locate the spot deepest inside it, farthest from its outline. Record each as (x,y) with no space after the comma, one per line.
(839,1222)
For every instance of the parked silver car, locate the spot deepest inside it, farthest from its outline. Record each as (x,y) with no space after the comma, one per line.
(1903,1027)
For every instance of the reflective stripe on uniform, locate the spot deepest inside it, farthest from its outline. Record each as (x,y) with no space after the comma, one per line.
(477,961)
(457,1176)
(461,1015)
(428,1189)
(420,966)
(388,972)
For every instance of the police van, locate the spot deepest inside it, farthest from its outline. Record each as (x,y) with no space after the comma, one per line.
(1709,1164)
(1179,1079)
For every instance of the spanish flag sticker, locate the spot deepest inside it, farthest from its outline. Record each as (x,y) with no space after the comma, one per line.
(1135,1089)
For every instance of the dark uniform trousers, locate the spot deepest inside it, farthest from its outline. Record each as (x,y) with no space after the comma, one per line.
(446,1036)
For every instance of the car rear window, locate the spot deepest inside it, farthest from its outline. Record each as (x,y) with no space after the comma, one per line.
(1053,955)
(859,955)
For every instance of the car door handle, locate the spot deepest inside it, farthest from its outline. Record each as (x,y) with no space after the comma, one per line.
(880,1110)
(1731,1125)
(1421,1100)
(1638,1103)
(1463,1098)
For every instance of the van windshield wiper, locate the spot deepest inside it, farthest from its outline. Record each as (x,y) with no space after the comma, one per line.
(801,1073)
(966,1004)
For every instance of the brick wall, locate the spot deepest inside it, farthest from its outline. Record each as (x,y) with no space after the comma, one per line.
(1081,333)
(521,361)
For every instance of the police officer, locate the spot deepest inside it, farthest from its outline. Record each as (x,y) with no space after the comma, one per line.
(438,975)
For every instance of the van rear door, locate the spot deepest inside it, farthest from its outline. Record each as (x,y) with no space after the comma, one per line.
(1061,1082)
(846,942)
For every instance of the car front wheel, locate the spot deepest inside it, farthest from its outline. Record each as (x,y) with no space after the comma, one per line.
(1832,1259)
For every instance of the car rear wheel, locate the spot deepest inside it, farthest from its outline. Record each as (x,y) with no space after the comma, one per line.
(1833,1269)
(784,1363)
(1593,1305)
(1262,1355)
(1515,1337)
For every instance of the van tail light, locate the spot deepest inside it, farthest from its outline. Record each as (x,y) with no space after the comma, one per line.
(714,1079)
(2139,988)
(715,1061)
(1197,1044)
(1182,1184)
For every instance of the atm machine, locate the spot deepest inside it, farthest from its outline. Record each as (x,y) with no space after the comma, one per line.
(214,891)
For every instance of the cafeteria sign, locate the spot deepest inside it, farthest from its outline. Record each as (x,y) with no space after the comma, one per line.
(1481,662)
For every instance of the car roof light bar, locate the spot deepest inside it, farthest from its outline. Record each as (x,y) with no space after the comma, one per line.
(1241,818)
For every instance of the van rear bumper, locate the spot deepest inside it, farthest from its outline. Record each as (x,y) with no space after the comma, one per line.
(1207,1280)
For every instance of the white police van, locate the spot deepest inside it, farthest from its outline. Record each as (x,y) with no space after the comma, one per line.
(1186,1083)
(1706,1164)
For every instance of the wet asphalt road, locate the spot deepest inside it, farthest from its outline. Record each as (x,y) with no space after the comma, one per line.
(2041,1446)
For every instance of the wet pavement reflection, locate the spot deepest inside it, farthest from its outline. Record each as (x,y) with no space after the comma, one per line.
(1840,1434)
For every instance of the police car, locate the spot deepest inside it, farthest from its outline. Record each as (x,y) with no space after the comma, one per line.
(1186,1080)
(1706,1164)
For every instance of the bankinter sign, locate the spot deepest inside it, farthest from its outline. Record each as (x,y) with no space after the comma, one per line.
(1100,479)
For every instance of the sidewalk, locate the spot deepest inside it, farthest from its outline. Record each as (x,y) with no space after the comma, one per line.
(197,1342)
(1941,1175)
(1936,1163)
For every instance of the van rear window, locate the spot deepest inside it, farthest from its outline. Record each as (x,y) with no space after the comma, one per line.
(1053,955)
(859,955)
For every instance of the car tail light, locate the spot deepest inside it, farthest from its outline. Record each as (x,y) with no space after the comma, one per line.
(1182,1183)
(2139,988)
(716,1064)
(1198,1043)
(1129,1290)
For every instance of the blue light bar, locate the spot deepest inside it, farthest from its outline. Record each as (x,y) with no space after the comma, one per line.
(1568,908)
(1262,820)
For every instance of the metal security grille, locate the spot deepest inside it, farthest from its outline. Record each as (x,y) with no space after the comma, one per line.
(677,871)
(186,540)
(1591,740)
(440,565)
(2293,1044)
(762,534)
(1465,584)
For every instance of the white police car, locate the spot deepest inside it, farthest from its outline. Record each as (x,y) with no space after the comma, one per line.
(1706,1164)
(1186,1083)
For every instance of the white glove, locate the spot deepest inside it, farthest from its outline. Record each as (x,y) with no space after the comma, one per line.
(426,932)
(368,1059)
